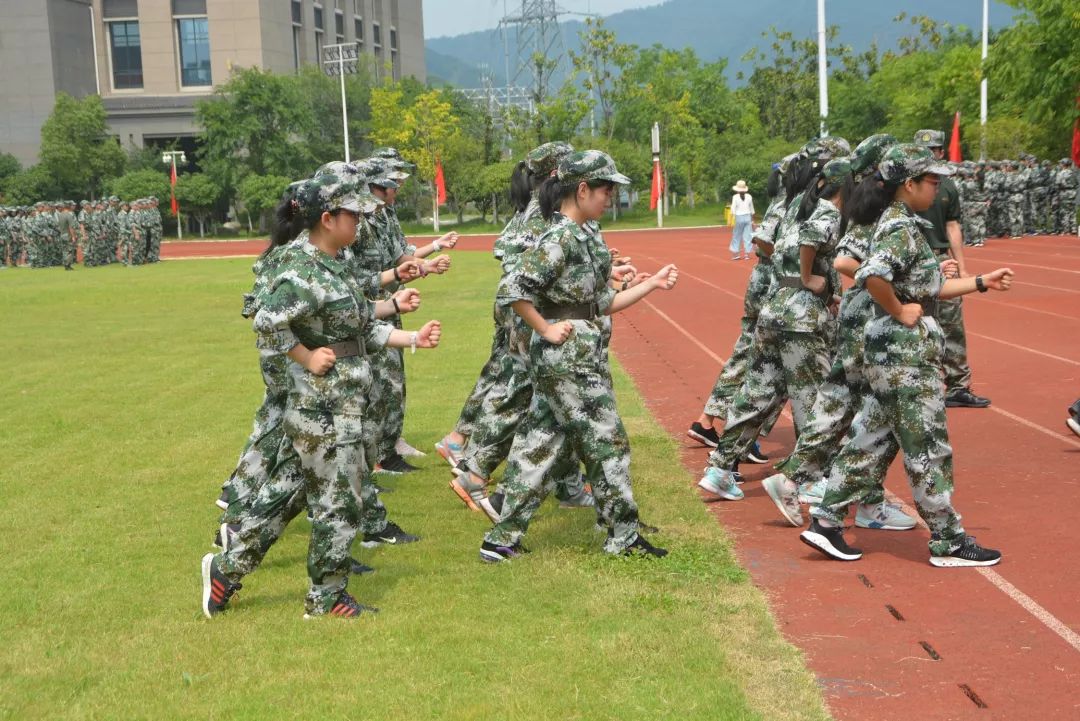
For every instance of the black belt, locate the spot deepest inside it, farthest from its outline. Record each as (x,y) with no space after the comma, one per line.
(929,307)
(348,349)
(790,282)
(581,311)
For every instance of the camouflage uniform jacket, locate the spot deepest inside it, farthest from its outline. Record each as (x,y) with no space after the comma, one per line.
(314,300)
(367,258)
(570,265)
(529,226)
(856,305)
(901,255)
(395,228)
(796,309)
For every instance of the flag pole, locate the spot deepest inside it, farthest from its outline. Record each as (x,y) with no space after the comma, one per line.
(982,85)
(656,175)
(823,81)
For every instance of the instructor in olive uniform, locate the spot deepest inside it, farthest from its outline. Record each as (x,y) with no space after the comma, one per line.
(947,240)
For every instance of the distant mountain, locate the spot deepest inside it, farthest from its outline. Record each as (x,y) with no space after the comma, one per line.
(717,29)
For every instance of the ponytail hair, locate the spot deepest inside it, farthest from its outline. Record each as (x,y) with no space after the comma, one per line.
(772,187)
(551,195)
(288,221)
(521,186)
(869,199)
(800,172)
(826,190)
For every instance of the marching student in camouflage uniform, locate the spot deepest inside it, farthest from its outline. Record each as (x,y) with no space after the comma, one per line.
(124,240)
(36,237)
(994,185)
(154,231)
(1015,185)
(560,288)
(790,356)
(5,236)
(905,406)
(1039,197)
(66,226)
(975,201)
(1066,183)
(801,474)
(315,312)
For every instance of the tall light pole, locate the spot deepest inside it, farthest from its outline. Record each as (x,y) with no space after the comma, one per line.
(982,85)
(338,60)
(169,158)
(823,81)
(657,181)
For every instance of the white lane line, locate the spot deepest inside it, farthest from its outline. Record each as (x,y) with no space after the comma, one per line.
(1047,287)
(1029,309)
(1025,348)
(685,332)
(1010,263)
(209,257)
(1027,603)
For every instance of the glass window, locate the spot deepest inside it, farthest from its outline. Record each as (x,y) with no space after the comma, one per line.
(296,47)
(358,26)
(318,46)
(339,26)
(393,39)
(357,7)
(297,13)
(319,18)
(376,34)
(194,38)
(126,52)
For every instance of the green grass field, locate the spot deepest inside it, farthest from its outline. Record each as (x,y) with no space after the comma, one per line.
(127,395)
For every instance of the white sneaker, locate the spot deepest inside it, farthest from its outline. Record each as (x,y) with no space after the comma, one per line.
(721,483)
(812,494)
(884,517)
(787,501)
(404,449)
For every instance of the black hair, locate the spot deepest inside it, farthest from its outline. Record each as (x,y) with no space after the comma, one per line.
(522,182)
(869,199)
(772,186)
(827,191)
(288,222)
(552,194)
(800,172)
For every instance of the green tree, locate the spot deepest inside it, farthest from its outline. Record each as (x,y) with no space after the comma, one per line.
(142,184)
(76,149)
(600,61)
(259,195)
(29,186)
(198,195)
(9,165)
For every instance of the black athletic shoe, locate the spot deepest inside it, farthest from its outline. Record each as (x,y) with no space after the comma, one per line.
(391,535)
(706,436)
(359,569)
(968,554)
(829,541)
(755,454)
(964,398)
(646,528)
(344,607)
(395,464)
(490,553)
(216,588)
(1074,410)
(641,547)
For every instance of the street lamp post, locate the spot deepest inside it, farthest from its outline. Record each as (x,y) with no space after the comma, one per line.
(169,158)
(656,175)
(337,60)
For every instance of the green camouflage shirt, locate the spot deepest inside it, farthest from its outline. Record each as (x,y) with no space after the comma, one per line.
(570,265)
(900,254)
(315,300)
(856,305)
(796,309)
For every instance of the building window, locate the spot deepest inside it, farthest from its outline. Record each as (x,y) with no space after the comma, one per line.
(339,26)
(393,38)
(376,34)
(358,26)
(193,35)
(358,7)
(319,18)
(297,13)
(319,46)
(296,55)
(126,54)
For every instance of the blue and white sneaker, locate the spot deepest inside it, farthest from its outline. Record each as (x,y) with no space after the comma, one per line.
(450,451)
(883,517)
(783,494)
(721,483)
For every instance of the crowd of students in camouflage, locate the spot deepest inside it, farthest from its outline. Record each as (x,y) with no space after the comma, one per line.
(51,233)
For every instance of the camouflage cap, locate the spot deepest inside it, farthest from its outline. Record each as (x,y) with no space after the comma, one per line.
(326,193)
(375,172)
(836,169)
(826,148)
(392,154)
(588,165)
(340,172)
(930,138)
(114,199)
(334,167)
(909,160)
(544,159)
(1065,161)
(868,153)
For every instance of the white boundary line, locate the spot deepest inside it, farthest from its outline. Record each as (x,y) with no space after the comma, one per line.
(1025,348)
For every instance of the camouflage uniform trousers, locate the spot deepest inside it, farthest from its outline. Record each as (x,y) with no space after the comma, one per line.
(138,248)
(472,410)
(153,247)
(950,316)
(330,462)
(16,247)
(904,410)
(975,216)
(1065,214)
(388,397)
(1014,212)
(783,365)
(1038,210)
(570,414)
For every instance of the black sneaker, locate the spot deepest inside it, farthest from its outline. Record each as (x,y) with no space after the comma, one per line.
(755,454)
(1074,410)
(391,535)
(701,434)
(216,588)
(641,547)
(490,553)
(394,464)
(226,535)
(829,541)
(359,569)
(964,398)
(968,554)
(344,607)
(646,528)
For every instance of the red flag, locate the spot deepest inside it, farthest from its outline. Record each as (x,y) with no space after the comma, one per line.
(657,186)
(172,191)
(954,142)
(440,182)
(1076,142)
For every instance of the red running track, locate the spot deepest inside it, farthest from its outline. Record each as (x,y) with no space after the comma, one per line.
(891,637)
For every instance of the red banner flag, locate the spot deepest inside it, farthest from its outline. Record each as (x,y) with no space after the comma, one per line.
(657,186)
(954,142)
(1076,143)
(172,191)
(440,182)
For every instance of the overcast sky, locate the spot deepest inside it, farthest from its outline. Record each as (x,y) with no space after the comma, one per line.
(454,17)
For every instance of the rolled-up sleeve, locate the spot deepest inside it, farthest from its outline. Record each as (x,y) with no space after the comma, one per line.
(887,259)
(377,333)
(289,302)
(537,269)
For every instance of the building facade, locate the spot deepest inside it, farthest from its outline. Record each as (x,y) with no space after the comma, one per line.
(151,60)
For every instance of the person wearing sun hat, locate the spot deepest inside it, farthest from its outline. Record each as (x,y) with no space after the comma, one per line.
(316,314)
(904,408)
(742,208)
(560,289)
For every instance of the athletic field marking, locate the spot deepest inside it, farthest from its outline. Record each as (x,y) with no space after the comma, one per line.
(1047,287)
(1027,603)
(1025,348)
(209,257)
(1029,309)
(1024,265)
